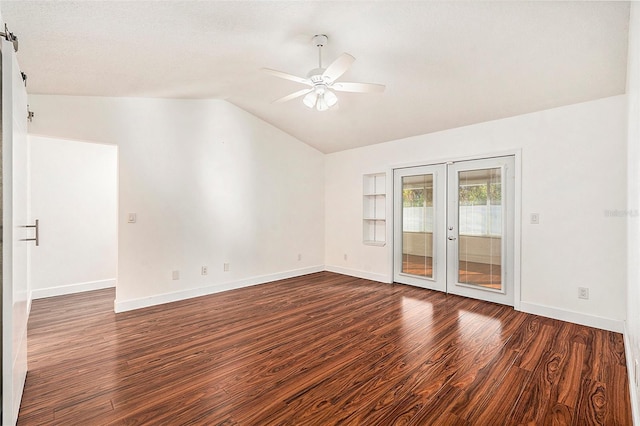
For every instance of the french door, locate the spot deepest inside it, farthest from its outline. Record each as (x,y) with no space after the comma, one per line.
(453,228)
(419,237)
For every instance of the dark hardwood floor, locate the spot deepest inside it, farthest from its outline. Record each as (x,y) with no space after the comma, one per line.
(317,350)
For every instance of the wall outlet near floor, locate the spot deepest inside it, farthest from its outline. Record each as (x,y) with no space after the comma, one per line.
(175,275)
(583,293)
(204,270)
(345,256)
(226,267)
(299,256)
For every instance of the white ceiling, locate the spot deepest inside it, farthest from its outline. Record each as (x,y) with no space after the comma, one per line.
(445,64)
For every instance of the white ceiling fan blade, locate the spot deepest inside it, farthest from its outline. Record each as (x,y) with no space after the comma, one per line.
(358,87)
(338,67)
(287,76)
(293,96)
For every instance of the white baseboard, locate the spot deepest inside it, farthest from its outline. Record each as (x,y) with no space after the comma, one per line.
(61,290)
(574,317)
(359,274)
(144,302)
(633,390)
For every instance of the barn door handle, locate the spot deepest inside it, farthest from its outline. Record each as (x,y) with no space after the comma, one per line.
(37,238)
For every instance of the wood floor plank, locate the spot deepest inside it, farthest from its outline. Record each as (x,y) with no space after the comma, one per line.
(321,349)
(541,392)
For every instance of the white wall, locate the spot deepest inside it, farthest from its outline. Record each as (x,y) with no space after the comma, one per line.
(210,184)
(632,332)
(74,195)
(573,171)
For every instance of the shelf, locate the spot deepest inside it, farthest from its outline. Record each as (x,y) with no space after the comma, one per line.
(375,243)
(374,206)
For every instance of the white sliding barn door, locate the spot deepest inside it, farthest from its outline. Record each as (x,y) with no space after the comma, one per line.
(15,290)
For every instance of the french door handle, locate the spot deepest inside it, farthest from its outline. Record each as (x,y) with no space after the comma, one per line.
(451,238)
(37,238)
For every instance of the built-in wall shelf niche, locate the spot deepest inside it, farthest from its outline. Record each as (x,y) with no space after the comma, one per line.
(374,205)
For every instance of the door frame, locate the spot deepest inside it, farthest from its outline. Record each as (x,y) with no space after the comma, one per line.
(517,228)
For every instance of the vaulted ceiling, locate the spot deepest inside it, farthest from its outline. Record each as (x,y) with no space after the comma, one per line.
(444,64)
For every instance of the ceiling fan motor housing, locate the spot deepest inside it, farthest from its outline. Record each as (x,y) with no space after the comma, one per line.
(315,75)
(320,40)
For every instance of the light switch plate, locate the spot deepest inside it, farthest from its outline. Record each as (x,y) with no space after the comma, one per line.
(131,218)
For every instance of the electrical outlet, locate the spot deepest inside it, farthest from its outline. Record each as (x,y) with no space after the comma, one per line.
(175,275)
(226,267)
(299,256)
(583,293)
(345,256)
(204,270)
(535,218)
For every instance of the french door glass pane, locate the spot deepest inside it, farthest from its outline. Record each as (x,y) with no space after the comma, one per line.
(480,228)
(417,225)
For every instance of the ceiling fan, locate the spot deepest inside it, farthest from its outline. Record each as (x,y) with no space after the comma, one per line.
(322,81)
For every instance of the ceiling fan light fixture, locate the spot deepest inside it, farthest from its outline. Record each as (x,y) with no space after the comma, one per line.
(320,98)
(330,98)
(310,99)
(322,105)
